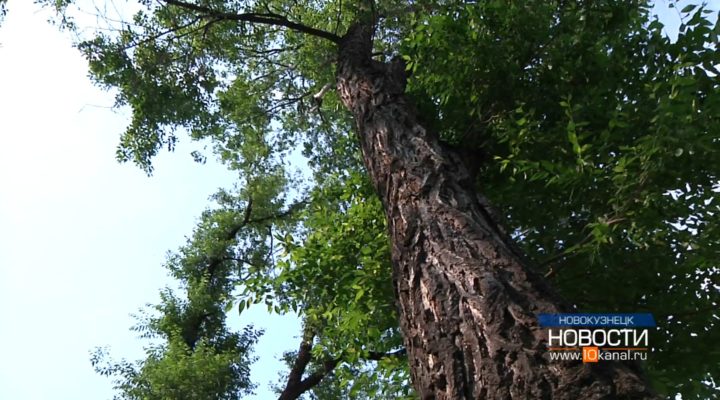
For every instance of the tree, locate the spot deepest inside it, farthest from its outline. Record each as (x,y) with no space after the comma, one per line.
(592,133)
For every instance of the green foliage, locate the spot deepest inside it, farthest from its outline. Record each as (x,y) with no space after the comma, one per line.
(174,371)
(596,135)
(339,272)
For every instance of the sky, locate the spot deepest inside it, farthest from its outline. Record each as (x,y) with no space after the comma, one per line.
(82,237)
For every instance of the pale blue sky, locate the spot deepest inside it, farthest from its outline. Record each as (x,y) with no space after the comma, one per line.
(83,238)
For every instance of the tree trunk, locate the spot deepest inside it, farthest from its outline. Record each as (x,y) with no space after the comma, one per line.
(467,300)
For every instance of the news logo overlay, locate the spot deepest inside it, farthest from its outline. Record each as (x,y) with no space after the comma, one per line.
(597,337)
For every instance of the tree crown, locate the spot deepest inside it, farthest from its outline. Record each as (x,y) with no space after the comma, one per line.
(593,133)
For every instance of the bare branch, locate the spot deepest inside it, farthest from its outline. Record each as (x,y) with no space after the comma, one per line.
(268,18)
(339,14)
(376,356)
(286,103)
(175,29)
(296,386)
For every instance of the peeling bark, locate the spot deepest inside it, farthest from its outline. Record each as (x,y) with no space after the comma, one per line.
(467,299)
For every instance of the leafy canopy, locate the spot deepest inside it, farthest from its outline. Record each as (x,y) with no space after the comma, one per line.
(594,135)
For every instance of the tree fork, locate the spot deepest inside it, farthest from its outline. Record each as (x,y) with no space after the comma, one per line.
(467,299)
(296,385)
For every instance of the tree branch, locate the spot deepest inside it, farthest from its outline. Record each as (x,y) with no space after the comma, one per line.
(572,249)
(296,386)
(302,360)
(268,18)
(377,356)
(214,261)
(167,32)
(328,366)
(311,381)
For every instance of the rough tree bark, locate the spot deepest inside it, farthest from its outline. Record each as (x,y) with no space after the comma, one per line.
(467,299)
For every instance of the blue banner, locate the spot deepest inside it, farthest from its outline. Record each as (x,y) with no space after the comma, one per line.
(597,320)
